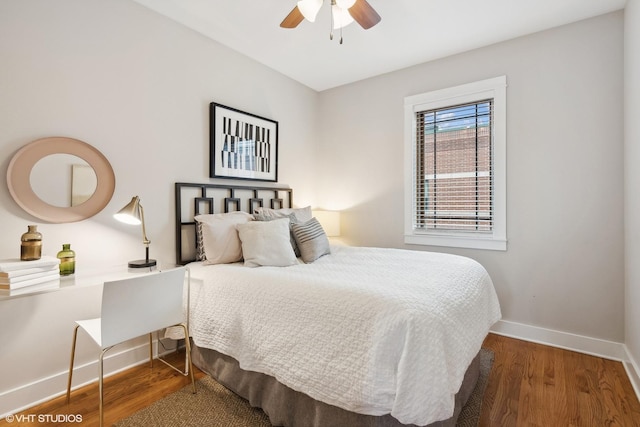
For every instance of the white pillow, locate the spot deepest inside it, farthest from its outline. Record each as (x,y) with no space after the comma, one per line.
(220,236)
(302,214)
(267,243)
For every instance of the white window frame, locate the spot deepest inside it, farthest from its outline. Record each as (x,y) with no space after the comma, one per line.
(496,89)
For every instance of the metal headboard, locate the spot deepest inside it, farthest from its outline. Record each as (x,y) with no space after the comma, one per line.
(195,199)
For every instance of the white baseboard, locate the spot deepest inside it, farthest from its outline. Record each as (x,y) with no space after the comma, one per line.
(580,343)
(632,372)
(44,389)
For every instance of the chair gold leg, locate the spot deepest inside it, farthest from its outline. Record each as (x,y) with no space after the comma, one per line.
(189,366)
(73,354)
(100,386)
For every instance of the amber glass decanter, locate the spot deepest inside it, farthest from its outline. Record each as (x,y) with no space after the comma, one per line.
(31,244)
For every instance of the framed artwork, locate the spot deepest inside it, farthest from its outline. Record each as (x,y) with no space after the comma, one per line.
(242,145)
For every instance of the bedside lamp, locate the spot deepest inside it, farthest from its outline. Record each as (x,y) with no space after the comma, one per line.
(133,214)
(330,222)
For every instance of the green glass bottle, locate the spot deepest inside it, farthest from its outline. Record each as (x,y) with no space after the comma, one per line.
(67,259)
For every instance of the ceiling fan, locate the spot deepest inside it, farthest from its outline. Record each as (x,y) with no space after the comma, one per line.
(343,12)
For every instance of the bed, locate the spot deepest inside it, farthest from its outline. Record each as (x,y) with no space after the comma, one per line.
(353,336)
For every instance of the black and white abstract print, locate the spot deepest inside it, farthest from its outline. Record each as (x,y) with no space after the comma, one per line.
(243,145)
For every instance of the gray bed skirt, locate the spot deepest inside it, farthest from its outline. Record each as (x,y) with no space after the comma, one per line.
(287,407)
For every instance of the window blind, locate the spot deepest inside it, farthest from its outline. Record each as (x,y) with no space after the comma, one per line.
(454,168)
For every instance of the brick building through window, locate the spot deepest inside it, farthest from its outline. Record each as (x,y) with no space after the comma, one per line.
(453,176)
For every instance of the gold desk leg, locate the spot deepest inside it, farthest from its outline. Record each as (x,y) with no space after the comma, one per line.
(150,350)
(100,385)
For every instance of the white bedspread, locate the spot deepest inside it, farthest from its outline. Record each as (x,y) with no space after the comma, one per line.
(370,330)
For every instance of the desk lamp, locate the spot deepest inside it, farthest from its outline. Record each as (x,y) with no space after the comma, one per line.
(133,214)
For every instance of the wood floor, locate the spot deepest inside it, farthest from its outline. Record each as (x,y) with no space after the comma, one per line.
(529,385)
(125,393)
(536,385)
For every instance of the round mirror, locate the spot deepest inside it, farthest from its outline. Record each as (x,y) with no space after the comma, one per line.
(75,181)
(60,179)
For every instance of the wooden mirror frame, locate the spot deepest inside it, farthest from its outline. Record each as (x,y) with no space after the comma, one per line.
(19,179)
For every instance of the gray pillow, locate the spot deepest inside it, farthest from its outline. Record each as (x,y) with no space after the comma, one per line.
(311,239)
(302,214)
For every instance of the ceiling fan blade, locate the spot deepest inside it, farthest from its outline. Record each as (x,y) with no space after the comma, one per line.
(364,14)
(292,20)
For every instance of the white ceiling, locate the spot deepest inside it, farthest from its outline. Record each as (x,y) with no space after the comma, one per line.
(411,32)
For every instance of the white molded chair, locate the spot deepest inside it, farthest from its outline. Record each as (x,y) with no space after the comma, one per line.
(134,307)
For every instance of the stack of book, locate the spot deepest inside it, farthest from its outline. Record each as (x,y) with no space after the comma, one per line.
(29,276)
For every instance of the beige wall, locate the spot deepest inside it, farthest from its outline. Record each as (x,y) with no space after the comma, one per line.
(632,180)
(137,86)
(563,269)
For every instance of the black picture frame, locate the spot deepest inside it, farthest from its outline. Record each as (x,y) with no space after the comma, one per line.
(242,145)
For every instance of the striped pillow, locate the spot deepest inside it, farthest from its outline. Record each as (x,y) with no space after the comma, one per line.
(311,239)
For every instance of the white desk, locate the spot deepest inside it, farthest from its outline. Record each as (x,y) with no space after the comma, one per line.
(82,278)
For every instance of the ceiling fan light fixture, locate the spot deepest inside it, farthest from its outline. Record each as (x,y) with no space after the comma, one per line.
(343,13)
(345,4)
(341,17)
(309,9)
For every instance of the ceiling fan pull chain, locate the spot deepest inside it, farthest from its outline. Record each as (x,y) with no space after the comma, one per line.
(340,35)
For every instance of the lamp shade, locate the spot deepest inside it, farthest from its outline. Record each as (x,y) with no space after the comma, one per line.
(130,214)
(345,4)
(329,220)
(309,9)
(341,17)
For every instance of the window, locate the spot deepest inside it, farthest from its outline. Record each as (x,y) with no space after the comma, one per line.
(455,166)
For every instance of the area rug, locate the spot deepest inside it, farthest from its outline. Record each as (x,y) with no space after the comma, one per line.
(215,406)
